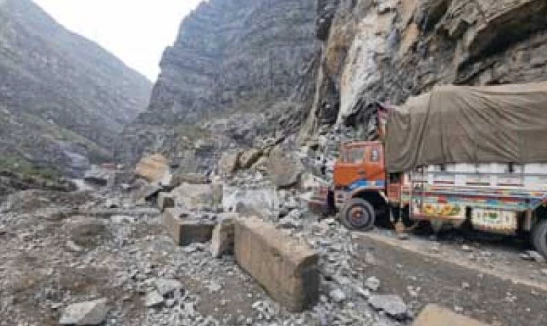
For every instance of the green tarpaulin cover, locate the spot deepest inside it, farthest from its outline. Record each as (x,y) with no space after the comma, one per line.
(460,124)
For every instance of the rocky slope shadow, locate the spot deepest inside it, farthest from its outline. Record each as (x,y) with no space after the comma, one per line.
(63,99)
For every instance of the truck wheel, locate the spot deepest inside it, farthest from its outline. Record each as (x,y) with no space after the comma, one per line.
(539,237)
(358,214)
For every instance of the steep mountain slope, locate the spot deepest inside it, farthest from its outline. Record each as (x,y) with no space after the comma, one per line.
(230,55)
(63,99)
(389,50)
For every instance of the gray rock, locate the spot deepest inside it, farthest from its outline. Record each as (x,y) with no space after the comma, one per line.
(373,283)
(85,313)
(153,299)
(222,241)
(337,295)
(392,305)
(167,286)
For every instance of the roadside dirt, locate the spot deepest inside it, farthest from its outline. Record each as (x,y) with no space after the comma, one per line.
(500,290)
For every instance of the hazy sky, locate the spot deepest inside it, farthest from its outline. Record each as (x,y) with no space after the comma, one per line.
(137,31)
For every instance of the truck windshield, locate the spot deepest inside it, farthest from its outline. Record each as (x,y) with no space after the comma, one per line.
(353,155)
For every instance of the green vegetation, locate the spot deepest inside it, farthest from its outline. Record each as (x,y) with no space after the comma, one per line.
(26,168)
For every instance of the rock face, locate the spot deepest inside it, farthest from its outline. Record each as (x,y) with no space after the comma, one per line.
(62,98)
(389,50)
(230,55)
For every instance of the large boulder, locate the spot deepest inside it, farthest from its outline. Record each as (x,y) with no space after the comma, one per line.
(197,196)
(250,201)
(285,267)
(285,168)
(229,163)
(152,168)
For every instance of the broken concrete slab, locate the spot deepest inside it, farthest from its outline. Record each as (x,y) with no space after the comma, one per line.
(85,313)
(222,241)
(433,314)
(285,267)
(165,200)
(186,231)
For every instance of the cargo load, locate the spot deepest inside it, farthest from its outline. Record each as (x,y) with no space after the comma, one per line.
(460,124)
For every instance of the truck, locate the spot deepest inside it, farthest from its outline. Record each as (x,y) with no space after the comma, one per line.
(456,157)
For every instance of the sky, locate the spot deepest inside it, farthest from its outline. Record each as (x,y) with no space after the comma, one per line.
(136,31)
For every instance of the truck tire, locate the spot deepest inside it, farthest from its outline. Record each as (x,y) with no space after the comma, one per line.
(358,214)
(539,237)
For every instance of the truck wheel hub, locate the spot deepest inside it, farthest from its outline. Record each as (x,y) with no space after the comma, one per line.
(358,216)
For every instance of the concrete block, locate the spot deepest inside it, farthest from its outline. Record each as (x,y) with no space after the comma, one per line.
(165,200)
(285,267)
(222,241)
(434,315)
(185,230)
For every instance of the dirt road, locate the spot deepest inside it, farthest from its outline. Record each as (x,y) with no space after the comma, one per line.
(431,272)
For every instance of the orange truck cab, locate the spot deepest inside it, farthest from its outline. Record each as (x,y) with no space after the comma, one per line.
(359,184)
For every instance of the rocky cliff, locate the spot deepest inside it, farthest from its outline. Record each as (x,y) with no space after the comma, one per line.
(231,56)
(63,99)
(389,50)
(242,72)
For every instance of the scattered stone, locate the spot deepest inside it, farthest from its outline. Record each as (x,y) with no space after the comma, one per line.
(467,248)
(392,305)
(167,286)
(372,283)
(337,296)
(85,313)
(533,256)
(99,176)
(403,236)
(148,193)
(286,268)
(153,299)
(222,241)
(544,271)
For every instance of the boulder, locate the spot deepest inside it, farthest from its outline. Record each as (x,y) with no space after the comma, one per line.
(285,168)
(185,230)
(192,178)
(99,176)
(195,196)
(229,163)
(147,192)
(165,200)
(435,315)
(249,158)
(152,168)
(250,201)
(285,267)
(392,305)
(222,241)
(166,286)
(85,313)
(153,299)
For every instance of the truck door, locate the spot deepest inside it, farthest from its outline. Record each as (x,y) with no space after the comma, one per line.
(360,164)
